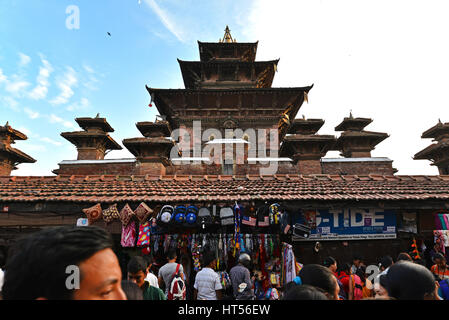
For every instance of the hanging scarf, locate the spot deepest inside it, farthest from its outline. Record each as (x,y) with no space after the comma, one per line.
(443,222)
(446,219)
(262,257)
(144,235)
(438,225)
(237,238)
(128,238)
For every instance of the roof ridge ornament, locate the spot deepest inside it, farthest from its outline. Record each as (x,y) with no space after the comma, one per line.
(227,38)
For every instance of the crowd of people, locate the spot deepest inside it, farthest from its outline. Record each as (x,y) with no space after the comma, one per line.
(46,260)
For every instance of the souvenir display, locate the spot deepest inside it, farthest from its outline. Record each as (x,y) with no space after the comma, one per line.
(190,229)
(111,214)
(93,213)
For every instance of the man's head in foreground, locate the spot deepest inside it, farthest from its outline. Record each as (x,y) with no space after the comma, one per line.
(64,263)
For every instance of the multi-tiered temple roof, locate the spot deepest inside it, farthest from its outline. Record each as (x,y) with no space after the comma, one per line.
(438,152)
(9,156)
(354,141)
(94,141)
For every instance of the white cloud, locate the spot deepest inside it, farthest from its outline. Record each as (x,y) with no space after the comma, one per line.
(166,20)
(24,59)
(51,141)
(80,105)
(41,90)
(3,78)
(55,119)
(16,87)
(88,68)
(65,84)
(9,102)
(30,148)
(32,114)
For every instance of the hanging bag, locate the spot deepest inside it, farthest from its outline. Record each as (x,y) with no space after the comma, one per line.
(204,218)
(249,216)
(191,215)
(227,216)
(275,214)
(263,216)
(165,215)
(179,215)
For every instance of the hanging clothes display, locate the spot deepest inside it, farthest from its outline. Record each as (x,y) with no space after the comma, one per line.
(439,238)
(288,264)
(273,261)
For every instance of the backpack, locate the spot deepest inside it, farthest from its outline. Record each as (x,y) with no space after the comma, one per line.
(285,222)
(263,217)
(204,217)
(177,288)
(226,216)
(444,289)
(191,215)
(249,217)
(275,214)
(165,215)
(179,216)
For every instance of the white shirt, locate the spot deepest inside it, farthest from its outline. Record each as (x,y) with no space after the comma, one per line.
(152,280)
(207,281)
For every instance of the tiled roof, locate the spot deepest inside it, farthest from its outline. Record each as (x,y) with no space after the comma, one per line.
(108,188)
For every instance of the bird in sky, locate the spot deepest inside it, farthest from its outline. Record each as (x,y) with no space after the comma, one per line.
(109,34)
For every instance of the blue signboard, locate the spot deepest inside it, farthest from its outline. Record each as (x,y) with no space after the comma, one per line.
(350,224)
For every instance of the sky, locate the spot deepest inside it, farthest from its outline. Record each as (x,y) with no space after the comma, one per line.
(385,60)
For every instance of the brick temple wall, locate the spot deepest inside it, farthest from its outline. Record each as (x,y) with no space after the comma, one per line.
(126,168)
(358,167)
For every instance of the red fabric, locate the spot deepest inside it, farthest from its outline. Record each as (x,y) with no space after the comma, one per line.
(344,279)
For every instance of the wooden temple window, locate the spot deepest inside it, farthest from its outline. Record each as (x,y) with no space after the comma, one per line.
(227,74)
(227,52)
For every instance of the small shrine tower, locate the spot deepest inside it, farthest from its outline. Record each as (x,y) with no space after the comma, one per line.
(354,142)
(437,152)
(9,156)
(94,142)
(305,147)
(152,151)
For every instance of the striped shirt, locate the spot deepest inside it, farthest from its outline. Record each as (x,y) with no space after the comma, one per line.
(207,281)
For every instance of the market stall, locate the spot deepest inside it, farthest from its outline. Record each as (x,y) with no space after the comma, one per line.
(263,230)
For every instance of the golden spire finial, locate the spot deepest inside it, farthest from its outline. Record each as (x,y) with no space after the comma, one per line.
(227,36)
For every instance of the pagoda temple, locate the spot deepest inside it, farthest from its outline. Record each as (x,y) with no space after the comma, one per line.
(437,152)
(9,156)
(228,90)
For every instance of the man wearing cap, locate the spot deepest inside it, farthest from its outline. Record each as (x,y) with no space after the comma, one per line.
(242,283)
